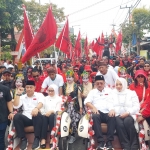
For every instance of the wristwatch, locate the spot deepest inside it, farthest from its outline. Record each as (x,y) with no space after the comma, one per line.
(18,94)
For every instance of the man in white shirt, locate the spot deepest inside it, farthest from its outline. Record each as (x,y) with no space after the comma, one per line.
(110,75)
(99,100)
(53,78)
(31,103)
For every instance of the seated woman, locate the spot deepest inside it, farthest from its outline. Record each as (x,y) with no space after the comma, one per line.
(140,85)
(126,105)
(52,103)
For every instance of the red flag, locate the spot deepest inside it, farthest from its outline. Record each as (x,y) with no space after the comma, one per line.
(91,45)
(63,41)
(102,42)
(119,42)
(78,46)
(44,38)
(28,34)
(86,49)
(97,47)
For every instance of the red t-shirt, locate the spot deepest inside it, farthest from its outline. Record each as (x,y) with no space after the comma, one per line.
(139,91)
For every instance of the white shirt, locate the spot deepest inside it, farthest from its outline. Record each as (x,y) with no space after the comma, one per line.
(101,100)
(51,103)
(10,66)
(5,64)
(58,81)
(29,103)
(110,78)
(116,69)
(125,102)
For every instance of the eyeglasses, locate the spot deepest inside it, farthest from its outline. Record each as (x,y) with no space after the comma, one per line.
(51,91)
(140,76)
(36,76)
(146,66)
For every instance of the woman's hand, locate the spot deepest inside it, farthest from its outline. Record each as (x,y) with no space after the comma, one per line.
(20,91)
(111,113)
(81,111)
(124,115)
(48,113)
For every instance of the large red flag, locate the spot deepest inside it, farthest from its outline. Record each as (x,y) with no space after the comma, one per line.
(119,42)
(91,45)
(78,46)
(63,41)
(44,38)
(86,48)
(97,47)
(27,30)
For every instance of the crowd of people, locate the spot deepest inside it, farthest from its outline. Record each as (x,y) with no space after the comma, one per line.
(115,89)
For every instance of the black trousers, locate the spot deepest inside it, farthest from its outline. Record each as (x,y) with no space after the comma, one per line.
(47,121)
(127,133)
(21,121)
(148,120)
(103,118)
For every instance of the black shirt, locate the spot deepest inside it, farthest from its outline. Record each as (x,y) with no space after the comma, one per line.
(5,97)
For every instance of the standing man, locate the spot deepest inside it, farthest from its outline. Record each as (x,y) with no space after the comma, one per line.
(6,112)
(99,100)
(53,78)
(110,75)
(31,104)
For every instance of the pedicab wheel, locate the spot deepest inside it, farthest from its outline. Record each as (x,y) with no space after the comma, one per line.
(64,143)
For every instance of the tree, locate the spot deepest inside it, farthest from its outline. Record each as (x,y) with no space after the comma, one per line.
(140,21)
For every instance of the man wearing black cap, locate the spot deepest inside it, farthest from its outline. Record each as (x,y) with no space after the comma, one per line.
(99,100)
(2,68)
(32,102)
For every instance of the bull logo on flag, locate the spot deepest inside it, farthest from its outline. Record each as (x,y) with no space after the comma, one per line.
(41,35)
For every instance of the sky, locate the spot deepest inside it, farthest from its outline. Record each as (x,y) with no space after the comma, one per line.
(99,18)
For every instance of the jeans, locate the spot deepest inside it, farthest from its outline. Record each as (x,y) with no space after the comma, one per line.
(3,127)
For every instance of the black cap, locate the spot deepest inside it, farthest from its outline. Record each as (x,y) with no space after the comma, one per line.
(6,71)
(30,82)
(84,60)
(99,77)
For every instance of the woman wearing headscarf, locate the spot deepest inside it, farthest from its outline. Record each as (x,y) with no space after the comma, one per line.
(126,105)
(52,104)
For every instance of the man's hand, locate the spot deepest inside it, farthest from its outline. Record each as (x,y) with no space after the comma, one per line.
(11,116)
(111,113)
(95,111)
(48,113)
(139,119)
(124,115)
(20,90)
(34,112)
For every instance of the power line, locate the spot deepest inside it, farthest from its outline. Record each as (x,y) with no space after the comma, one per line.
(99,13)
(86,7)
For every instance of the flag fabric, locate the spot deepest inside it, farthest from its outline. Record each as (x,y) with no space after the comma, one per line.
(91,45)
(119,42)
(63,41)
(123,50)
(28,34)
(44,38)
(20,47)
(97,47)
(134,40)
(77,47)
(86,48)
(102,42)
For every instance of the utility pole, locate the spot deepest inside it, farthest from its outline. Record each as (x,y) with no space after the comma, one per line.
(129,22)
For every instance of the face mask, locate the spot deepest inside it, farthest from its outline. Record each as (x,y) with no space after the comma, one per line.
(69,79)
(85,80)
(18,83)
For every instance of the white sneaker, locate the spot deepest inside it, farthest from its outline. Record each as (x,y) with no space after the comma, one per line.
(71,140)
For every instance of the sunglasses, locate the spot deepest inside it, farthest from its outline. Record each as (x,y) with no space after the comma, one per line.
(36,76)
(140,76)
(51,91)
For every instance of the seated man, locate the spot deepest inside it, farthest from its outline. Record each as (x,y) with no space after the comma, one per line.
(31,103)
(99,100)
